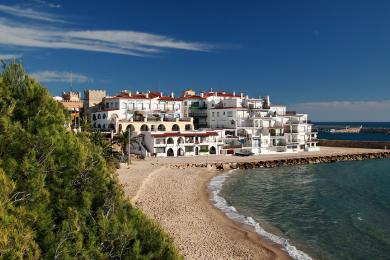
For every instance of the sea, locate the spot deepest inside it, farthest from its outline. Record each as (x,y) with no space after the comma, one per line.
(352,136)
(319,211)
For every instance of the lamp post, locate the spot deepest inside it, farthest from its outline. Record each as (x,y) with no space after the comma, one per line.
(129,159)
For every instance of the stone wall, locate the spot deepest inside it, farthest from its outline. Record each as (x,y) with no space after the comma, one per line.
(285,162)
(355,144)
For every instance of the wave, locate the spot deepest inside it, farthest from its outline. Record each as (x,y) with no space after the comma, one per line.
(216,185)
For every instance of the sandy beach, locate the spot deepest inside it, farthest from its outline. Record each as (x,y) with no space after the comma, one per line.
(178,200)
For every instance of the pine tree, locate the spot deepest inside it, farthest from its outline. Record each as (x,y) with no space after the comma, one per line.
(59,196)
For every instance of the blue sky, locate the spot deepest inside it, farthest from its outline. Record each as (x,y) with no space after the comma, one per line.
(327,58)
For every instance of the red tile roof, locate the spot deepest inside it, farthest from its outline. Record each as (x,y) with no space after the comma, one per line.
(192,134)
(151,95)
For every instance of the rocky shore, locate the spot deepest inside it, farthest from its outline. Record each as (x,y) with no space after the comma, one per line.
(284,162)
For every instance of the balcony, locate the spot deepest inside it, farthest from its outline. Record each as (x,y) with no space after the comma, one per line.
(198,107)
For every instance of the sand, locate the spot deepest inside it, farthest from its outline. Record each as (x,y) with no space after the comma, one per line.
(178,200)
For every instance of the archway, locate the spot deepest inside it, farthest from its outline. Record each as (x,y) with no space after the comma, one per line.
(144,127)
(170,152)
(196,150)
(120,128)
(161,127)
(188,127)
(170,140)
(242,133)
(180,152)
(175,127)
(213,150)
(132,129)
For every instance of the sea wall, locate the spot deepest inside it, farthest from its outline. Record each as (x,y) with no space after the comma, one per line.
(354,144)
(286,162)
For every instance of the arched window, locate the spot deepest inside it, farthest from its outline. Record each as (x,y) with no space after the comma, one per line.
(99,117)
(180,140)
(94,117)
(188,127)
(104,116)
(99,126)
(161,127)
(144,127)
(132,129)
(104,126)
(213,150)
(170,140)
(175,127)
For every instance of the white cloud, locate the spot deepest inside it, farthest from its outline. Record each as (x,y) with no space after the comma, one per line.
(29,13)
(60,76)
(9,56)
(346,110)
(109,41)
(42,2)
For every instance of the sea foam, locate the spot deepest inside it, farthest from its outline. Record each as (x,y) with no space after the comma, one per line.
(216,185)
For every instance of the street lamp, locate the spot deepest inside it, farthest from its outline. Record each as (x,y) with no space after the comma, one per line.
(129,159)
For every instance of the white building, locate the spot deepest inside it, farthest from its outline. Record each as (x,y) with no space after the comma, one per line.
(189,143)
(129,107)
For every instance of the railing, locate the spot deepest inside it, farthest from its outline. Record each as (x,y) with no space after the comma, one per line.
(198,107)
(232,146)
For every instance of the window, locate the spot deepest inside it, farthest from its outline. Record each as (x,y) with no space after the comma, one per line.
(104,116)
(189,149)
(230,113)
(99,117)
(224,113)
(160,149)
(212,114)
(217,114)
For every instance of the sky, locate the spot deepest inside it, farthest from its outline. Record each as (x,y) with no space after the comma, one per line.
(328,58)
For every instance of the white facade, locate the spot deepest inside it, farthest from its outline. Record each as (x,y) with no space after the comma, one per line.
(190,143)
(134,107)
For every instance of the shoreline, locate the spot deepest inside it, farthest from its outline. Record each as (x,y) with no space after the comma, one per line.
(277,250)
(174,192)
(250,234)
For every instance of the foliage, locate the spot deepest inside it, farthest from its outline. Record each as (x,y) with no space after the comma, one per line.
(59,197)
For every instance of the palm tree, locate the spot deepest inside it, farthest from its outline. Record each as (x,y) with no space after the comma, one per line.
(123,140)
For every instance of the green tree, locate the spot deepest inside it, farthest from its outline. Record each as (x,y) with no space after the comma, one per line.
(59,196)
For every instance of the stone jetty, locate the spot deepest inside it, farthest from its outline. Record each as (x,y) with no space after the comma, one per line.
(270,163)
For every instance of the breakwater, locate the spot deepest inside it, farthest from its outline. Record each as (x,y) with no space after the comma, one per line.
(354,144)
(270,163)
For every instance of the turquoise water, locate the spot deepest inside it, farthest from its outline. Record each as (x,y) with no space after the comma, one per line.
(329,211)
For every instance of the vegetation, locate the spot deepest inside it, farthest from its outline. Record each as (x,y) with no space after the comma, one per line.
(59,198)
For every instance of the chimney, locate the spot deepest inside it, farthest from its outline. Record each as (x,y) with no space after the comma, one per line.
(129,93)
(242,95)
(216,93)
(201,94)
(147,95)
(137,92)
(172,95)
(161,94)
(234,93)
(247,97)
